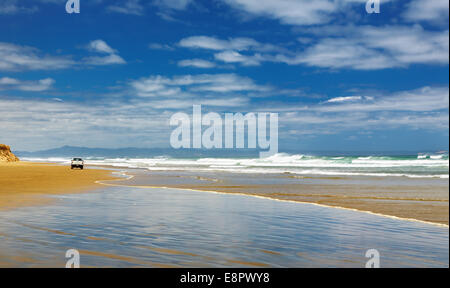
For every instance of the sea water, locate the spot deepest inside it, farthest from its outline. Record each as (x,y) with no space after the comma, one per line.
(434,166)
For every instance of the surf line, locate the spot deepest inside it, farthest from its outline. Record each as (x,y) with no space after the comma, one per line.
(266,198)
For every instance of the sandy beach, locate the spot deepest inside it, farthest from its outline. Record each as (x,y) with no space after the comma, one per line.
(22,183)
(131,223)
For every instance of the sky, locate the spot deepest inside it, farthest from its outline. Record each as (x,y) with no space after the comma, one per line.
(112,76)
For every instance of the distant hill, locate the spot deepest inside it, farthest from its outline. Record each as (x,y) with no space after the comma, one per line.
(6,155)
(132,152)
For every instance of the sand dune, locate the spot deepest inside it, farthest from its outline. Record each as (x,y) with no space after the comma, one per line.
(6,155)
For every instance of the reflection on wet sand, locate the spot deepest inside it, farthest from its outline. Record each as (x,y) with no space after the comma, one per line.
(131,227)
(420,199)
(129,260)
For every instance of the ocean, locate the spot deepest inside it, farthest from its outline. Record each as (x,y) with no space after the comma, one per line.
(411,166)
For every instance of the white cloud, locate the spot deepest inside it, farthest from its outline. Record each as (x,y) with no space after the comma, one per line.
(197,63)
(296,12)
(369,48)
(102,47)
(189,85)
(130,7)
(344,99)
(316,124)
(166,9)
(425,108)
(104,60)
(421,100)
(107,122)
(232,50)
(172,4)
(427,10)
(18,58)
(339,53)
(11,7)
(22,58)
(236,57)
(338,47)
(408,45)
(212,43)
(158,46)
(44,124)
(211,102)
(7,83)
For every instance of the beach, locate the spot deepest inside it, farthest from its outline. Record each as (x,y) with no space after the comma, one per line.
(24,183)
(145,218)
(420,199)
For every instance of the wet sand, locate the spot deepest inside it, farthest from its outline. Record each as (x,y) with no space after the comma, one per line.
(24,183)
(409,199)
(134,227)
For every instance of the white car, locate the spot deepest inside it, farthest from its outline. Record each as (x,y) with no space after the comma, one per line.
(77,163)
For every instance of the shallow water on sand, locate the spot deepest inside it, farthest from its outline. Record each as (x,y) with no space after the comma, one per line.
(132,227)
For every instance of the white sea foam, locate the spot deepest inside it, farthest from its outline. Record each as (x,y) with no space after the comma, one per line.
(434,166)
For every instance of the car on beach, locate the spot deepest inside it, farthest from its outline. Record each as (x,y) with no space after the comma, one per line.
(77,163)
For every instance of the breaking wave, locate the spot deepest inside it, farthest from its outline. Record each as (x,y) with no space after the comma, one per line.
(416,166)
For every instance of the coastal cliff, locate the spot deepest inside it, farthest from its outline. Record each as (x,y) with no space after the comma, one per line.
(6,155)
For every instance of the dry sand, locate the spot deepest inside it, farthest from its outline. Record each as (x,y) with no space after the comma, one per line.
(24,183)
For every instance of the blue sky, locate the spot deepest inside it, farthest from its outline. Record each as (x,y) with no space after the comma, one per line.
(113,75)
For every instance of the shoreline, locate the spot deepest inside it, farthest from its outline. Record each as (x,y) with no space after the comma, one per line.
(25,183)
(410,209)
(273,199)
